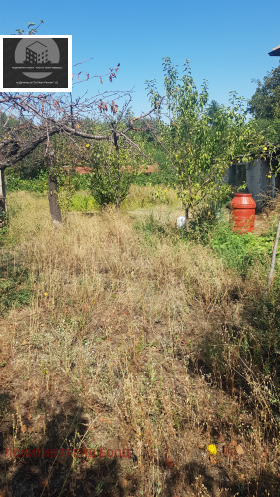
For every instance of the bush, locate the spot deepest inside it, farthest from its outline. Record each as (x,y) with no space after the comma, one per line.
(80,181)
(82,202)
(157,178)
(37,185)
(110,189)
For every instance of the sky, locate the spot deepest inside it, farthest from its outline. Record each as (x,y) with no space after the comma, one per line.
(227,42)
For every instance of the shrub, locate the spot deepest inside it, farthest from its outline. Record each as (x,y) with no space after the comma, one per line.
(113,173)
(110,188)
(80,181)
(82,202)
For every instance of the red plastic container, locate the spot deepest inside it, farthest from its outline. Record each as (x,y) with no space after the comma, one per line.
(243,212)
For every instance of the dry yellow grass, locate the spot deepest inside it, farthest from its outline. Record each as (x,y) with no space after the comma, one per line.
(108,355)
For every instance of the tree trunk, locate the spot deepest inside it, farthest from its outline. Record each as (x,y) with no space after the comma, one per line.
(3,200)
(53,200)
(273,259)
(118,204)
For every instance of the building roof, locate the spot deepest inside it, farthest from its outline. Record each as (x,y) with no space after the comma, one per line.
(153,168)
(144,168)
(275,51)
(37,47)
(83,170)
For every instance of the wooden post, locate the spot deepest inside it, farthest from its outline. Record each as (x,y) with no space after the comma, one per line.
(273,259)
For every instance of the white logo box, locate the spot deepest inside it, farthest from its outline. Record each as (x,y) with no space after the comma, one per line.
(27,63)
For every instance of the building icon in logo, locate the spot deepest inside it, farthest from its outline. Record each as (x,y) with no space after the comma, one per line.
(37,53)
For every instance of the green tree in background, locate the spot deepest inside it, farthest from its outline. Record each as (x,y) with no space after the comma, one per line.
(265,109)
(212,110)
(265,103)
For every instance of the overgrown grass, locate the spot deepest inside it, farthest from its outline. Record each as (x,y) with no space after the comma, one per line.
(24,207)
(134,338)
(14,283)
(245,252)
(140,197)
(241,252)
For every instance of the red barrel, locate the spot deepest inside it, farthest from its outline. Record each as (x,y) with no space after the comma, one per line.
(243,212)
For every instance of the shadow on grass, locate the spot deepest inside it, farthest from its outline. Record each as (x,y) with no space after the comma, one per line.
(52,471)
(194,477)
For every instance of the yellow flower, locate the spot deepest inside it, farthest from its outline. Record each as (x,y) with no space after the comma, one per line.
(46,294)
(212,449)
(87,145)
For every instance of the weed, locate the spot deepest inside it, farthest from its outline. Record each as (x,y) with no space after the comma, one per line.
(241,252)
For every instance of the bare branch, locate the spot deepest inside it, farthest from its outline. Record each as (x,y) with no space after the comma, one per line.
(76,132)
(133,145)
(156,107)
(74,65)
